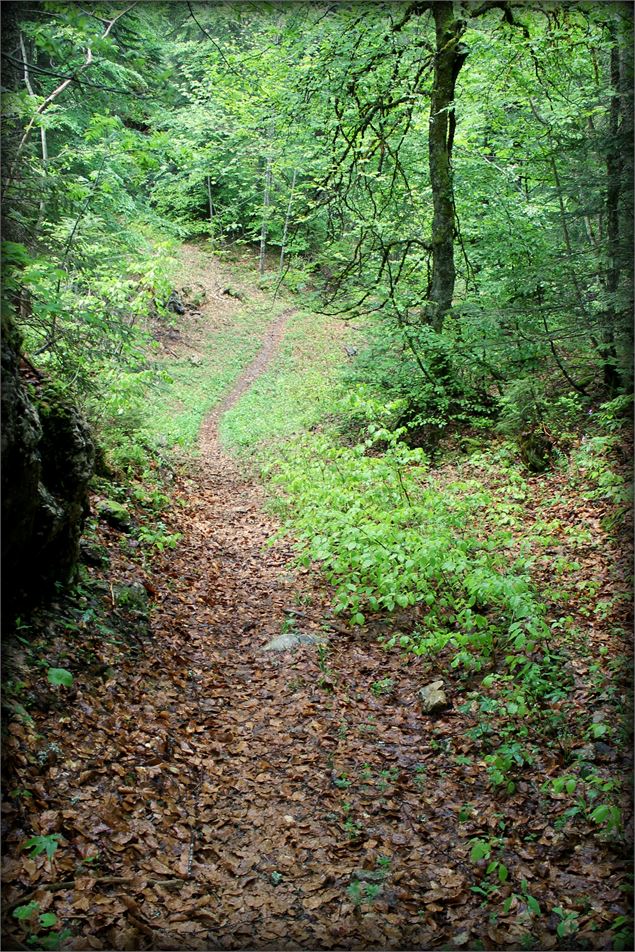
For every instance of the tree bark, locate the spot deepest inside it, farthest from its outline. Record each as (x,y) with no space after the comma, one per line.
(43,141)
(211,210)
(266,198)
(449,59)
(266,201)
(287,218)
(618,155)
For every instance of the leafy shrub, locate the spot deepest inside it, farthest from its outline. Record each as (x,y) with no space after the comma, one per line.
(421,376)
(388,539)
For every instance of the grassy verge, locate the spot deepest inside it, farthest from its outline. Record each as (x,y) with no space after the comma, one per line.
(293,395)
(192,386)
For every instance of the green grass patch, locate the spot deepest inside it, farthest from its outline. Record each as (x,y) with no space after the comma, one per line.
(294,393)
(176,406)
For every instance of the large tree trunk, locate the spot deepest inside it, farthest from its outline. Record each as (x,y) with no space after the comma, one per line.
(450,56)
(619,202)
(613,187)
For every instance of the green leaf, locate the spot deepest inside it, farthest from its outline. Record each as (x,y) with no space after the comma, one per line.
(598,730)
(503,873)
(43,844)
(60,676)
(601,813)
(480,850)
(25,912)
(533,905)
(48,919)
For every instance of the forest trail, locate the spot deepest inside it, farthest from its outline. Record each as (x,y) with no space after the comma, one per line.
(268,488)
(200,789)
(240,790)
(209,794)
(208,438)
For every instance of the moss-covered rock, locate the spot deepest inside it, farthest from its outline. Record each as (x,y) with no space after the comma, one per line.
(114,514)
(132,597)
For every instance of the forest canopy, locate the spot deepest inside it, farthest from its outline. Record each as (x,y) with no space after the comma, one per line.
(462,172)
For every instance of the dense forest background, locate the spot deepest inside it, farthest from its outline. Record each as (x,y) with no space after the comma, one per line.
(433,204)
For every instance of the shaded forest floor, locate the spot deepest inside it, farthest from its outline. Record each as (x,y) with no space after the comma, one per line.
(191,790)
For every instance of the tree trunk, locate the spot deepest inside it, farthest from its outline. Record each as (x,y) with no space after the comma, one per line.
(43,141)
(613,188)
(211,210)
(449,58)
(266,200)
(287,219)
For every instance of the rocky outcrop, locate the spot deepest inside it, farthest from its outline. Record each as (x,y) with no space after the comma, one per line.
(48,458)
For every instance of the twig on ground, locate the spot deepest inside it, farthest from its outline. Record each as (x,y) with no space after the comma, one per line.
(69,884)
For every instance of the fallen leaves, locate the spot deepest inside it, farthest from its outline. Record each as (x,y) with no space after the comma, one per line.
(210,795)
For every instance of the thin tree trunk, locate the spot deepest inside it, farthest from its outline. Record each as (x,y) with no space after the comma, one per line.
(211,210)
(53,96)
(287,218)
(44,144)
(266,202)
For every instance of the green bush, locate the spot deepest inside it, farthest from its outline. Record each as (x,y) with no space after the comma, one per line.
(387,538)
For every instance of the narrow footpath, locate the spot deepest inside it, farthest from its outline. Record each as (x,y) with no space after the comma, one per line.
(207,792)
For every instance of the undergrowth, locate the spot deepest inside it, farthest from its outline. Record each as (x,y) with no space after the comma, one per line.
(293,395)
(457,550)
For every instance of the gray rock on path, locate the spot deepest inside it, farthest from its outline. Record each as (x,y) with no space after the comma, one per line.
(287,642)
(432,698)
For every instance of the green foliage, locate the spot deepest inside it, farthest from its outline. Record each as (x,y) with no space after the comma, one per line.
(34,924)
(382,687)
(60,676)
(159,537)
(26,912)
(524,897)
(481,849)
(388,539)
(43,844)
(583,793)
(413,373)
(568,924)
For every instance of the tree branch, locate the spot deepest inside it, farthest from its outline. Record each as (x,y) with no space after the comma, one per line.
(53,96)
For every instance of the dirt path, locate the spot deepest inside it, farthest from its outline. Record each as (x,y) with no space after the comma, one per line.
(207,794)
(274,842)
(208,440)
